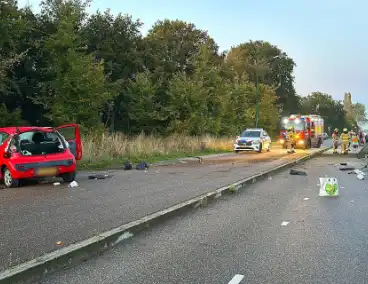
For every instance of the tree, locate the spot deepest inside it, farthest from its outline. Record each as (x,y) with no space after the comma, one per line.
(75,90)
(174,45)
(118,42)
(359,113)
(273,67)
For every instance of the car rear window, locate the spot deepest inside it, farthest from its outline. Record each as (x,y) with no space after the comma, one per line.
(251,133)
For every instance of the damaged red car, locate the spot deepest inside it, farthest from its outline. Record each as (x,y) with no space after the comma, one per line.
(35,152)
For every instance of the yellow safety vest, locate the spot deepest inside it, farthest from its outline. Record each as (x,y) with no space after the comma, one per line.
(290,135)
(345,138)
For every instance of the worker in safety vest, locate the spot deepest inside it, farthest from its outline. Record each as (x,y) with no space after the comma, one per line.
(335,140)
(345,139)
(290,138)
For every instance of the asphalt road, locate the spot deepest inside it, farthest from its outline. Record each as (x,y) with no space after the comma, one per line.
(39,219)
(241,239)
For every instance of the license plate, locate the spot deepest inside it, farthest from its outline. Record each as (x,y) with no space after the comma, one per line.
(46,172)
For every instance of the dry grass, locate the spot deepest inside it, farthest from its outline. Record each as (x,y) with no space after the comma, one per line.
(101,150)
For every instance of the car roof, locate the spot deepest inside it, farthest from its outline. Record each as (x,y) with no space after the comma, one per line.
(15,129)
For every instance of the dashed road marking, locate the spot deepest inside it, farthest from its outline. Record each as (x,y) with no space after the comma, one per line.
(236,279)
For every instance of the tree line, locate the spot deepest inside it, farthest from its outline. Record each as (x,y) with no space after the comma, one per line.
(62,65)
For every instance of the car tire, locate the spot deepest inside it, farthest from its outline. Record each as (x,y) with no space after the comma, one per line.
(260,148)
(9,182)
(236,151)
(69,177)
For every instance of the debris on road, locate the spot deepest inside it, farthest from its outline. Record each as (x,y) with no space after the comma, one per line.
(329,186)
(128,166)
(346,168)
(73,184)
(297,173)
(142,166)
(284,223)
(360,176)
(306,198)
(97,176)
(343,164)
(56,183)
(59,243)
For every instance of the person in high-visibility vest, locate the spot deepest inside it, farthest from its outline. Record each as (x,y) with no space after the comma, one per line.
(335,140)
(355,141)
(345,139)
(290,138)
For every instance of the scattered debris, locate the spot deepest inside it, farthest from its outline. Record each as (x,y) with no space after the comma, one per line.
(297,173)
(270,178)
(329,186)
(360,176)
(346,168)
(98,176)
(284,223)
(73,184)
(128,166)
(306,198)
(343,164)
(142,166)
(59,243)
(56,183)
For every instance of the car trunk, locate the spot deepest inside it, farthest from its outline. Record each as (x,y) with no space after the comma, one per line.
(34,144)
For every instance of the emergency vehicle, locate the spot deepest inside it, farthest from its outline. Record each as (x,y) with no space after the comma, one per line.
(309,130)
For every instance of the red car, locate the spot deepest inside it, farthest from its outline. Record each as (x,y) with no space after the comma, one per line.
(32,152)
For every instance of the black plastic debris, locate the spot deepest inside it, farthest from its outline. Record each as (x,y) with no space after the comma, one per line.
(98,176)
(343,164)
(297,173)
(346,168)
(128,166)
(142,166)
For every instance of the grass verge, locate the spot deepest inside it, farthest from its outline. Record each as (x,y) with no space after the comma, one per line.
(105,151)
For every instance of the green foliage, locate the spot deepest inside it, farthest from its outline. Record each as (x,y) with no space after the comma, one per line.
(63,65)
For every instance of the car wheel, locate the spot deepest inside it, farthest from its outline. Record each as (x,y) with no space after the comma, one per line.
(260,148)
(69,177)
(9,182)
(236,151)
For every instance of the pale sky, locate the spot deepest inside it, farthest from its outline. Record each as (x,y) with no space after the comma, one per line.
(326,38)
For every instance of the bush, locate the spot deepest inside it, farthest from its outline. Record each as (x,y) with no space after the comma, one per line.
(100,150)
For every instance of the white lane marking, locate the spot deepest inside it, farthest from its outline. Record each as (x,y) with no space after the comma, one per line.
(236,279)
(306,198)
(284,223)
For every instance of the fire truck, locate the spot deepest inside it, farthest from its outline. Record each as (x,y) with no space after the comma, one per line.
(309,130)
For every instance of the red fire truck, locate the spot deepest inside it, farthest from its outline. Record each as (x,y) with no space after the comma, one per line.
(308,128)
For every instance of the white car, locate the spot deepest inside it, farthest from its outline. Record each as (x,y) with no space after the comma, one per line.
(253,139)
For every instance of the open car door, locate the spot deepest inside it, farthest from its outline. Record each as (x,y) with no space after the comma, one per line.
(72,135)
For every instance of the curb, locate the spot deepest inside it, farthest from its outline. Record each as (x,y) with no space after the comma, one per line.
(34,270)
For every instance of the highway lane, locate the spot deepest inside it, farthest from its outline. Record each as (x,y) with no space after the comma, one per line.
(324,242)
(35,219)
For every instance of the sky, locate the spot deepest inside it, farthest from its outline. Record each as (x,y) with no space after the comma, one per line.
(327,39)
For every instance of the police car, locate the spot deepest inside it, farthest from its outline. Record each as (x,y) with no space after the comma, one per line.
(253,139)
